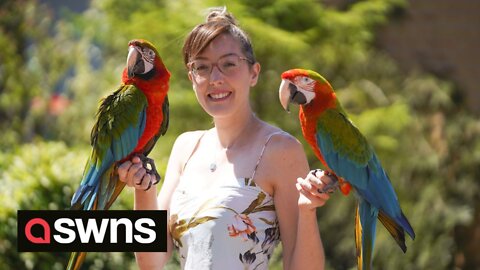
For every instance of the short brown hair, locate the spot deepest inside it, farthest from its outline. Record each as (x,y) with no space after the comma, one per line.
(218,22)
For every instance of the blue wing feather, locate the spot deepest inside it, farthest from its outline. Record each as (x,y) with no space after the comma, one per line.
(363,172)
(121,135)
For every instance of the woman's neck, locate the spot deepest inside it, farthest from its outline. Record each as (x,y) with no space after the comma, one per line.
(230,132)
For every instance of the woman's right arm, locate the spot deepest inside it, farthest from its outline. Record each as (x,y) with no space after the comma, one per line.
(132,173)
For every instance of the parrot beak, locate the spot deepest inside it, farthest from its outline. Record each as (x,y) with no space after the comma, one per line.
(289,93)
(284,94)
(134,62)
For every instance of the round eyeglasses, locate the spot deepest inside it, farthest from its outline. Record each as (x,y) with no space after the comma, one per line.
(227,65)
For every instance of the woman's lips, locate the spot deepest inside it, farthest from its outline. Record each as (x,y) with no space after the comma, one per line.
(217,96)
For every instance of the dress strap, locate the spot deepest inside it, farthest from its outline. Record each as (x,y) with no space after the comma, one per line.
(194,149)
(263,150)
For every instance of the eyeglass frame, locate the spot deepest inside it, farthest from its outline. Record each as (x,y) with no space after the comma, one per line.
(215,64)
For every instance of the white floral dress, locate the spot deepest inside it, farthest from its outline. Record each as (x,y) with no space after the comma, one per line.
(233,226)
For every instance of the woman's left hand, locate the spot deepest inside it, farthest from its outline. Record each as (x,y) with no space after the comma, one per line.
(310,188)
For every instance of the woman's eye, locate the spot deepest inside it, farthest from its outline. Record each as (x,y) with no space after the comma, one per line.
(201,67)
(228,64)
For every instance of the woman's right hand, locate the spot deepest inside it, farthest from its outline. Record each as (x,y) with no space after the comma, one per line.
(134,174)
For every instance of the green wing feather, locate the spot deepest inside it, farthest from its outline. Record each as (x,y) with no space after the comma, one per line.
(118,115)
(120,122)
(346,138)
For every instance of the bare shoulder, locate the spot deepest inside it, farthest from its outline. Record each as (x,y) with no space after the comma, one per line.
(284,159)
(283,145)
(188,138)
(184,146)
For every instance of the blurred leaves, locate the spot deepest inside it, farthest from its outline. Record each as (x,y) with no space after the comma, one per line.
(53,72)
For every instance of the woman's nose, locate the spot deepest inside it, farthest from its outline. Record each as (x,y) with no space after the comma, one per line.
(216,76)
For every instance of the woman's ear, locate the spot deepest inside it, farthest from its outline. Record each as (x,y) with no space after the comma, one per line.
(190,77)
(255,73)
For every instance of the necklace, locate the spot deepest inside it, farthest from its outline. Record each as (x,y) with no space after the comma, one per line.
(213,165)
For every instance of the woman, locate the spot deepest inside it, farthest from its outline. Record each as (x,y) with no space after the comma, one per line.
(233,191)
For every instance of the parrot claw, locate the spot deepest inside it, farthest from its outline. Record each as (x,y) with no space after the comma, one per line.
(149,165)
(332,186)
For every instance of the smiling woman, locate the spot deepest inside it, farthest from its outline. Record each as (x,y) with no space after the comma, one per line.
(235,190)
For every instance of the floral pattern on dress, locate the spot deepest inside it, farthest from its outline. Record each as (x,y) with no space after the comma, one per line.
(179,227)
(243,226)
(253,228)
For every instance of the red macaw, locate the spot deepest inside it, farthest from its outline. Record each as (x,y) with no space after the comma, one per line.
(348,157)
(128,124)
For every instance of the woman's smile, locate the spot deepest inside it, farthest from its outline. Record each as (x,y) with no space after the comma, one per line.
(219,95)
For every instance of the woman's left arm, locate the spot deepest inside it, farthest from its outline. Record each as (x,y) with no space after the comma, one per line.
(296,200)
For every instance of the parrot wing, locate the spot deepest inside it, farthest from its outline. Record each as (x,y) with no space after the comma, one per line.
(348,154)
(121,120)
(344,148)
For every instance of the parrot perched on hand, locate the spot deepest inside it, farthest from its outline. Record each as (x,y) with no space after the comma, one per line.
(347,157)
(128,123)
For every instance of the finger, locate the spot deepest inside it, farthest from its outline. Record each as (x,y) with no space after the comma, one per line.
(149,185)
(325,176)
(315,181)
(132,171)
(145,182)
(316,199)
(304,183)
(136,159)
(307,186)
(138,176)
(303,191)
(123,170)
(321,199)
(312,190)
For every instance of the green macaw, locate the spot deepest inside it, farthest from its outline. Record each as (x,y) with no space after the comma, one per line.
(128,124)
(348,157)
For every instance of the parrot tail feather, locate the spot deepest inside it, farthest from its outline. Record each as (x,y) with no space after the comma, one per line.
(84,193)
(394,229)
(406,226)
(365,227)
(76,260)
(118,188)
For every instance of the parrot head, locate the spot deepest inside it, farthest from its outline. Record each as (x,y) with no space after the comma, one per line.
(302,87)
(142,58)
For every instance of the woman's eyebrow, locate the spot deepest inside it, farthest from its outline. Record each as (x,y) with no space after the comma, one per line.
(206,58)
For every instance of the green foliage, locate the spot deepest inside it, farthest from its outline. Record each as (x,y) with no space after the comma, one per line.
(427,142)
(43,176)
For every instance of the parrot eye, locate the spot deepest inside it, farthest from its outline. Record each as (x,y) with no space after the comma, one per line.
(305,83)
(148,54)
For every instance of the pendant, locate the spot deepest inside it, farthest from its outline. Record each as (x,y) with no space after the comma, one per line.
(213,167)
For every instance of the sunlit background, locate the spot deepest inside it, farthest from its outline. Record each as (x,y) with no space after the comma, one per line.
(406,71)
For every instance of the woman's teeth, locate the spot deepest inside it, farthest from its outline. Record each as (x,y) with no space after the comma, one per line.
(219,95)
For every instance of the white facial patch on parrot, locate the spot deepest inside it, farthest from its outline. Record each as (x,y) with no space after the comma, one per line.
(148,56)
(306,86)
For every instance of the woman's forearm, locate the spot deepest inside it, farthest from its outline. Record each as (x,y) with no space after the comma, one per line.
(308,252)
(147,200)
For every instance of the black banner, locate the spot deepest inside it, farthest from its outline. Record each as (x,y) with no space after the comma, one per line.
(92,231)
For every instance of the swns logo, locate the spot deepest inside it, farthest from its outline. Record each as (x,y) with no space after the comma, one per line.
(105,231)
